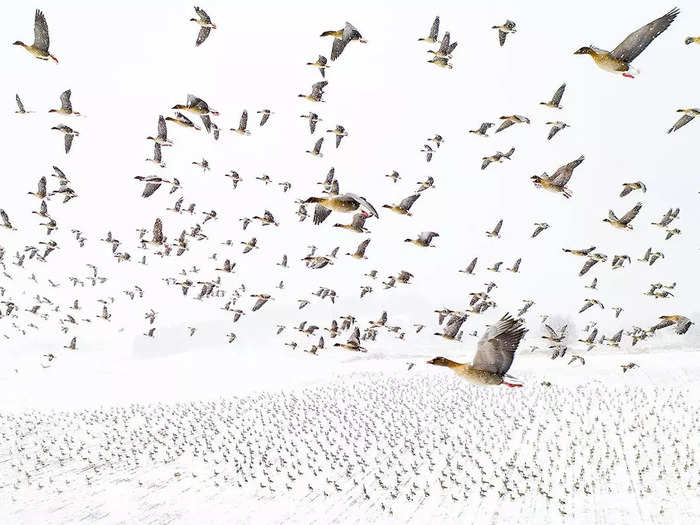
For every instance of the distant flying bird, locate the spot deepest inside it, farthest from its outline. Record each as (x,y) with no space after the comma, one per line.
(469,270)
(404,206)
(66,106)
(681,323)
(496,232)
(205,23)
(432,37)
(619,59)
(482,129)
(316,151)
(629,187)
(321,63)
(504,30)
(496,157)
(316,94)
(347,202)
(339,133)
(539,228)
(312,118)
(342,37)
(162,137)
(688,115)
(265,116)
(68,134)
(557,126)
(509,120)
(559,179)
(20,106)
(623,223)
(556,98)
(243,124)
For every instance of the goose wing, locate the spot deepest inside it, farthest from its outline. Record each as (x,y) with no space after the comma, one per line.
(681,122)
(627,217)
(556,99)
(65,100)
(496,348)
(408,201)
(632,46)
(321,213)
(41,31)
(435,28)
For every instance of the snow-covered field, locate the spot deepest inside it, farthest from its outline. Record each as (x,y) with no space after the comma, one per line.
(340,439)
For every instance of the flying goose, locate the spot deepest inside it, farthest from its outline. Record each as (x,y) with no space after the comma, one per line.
(157,156)
(162,137)
(6,221)
(353,343)
(321,63)
(629,187)
(342,37)
(668,218)
(452,328)
(199,107)
(313,119)
(592,260)
(316,95)
(496,232)
(539,228)
(205,23)
(619,59)
(357,225)
(494,355)
(681,323)
(265,116)
(590,302)
(66,106)
(559,179)
(623,223)
(504,30)
(557,126)
(68,134)
(262,299)
(40,47)
(339,133)
(347,202)
(182,120)
(316,151)
(556,98)
(433,35)
(509,120)
(20,106)
(516,266)
(404,206)
(496,157)
(688,115)
(482,129)
(446,47)
(241,130)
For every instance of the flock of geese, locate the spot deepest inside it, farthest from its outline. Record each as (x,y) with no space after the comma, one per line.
(496,347)
(372,448)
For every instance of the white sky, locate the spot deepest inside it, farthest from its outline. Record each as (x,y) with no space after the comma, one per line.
(127,63)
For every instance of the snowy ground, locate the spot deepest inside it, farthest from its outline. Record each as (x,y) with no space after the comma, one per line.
(339,439)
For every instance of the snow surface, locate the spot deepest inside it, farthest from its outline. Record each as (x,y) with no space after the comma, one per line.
(111,447)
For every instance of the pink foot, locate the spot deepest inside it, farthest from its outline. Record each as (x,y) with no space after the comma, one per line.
(511,385)
(627,75)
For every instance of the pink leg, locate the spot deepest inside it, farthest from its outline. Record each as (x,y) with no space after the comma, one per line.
(512,385)
(627,75)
